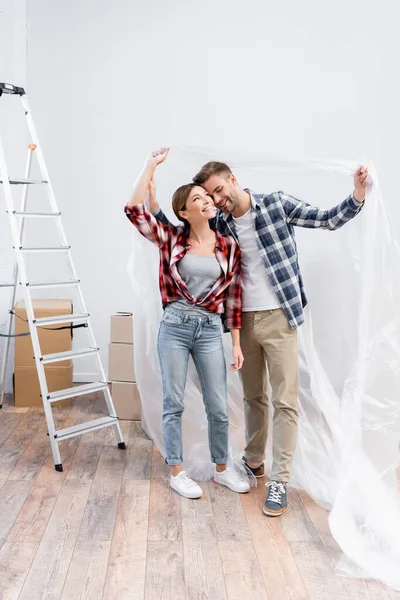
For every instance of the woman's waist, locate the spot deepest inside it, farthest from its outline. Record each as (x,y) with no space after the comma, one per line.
(188,313)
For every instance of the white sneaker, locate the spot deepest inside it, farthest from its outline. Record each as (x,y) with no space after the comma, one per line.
(232,480)
(185,486)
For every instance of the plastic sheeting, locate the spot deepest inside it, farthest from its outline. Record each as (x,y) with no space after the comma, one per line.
(349,352)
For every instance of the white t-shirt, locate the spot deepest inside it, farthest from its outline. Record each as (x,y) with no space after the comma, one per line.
(257,291)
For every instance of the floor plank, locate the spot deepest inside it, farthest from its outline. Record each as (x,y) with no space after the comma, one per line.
(165,578)
(139,454)
(12,496)
(9,456)
(296,524)
(165,507)
(16,409)
(204,577)
(87,571)
(87,455)
(8,421)
(15,561)
(317,572)
(280,574)
(48,573)
(230,520)
(242,571)
(35,513)
(18,440)
(101,509)
(26,428)
(127,565)
(37,451)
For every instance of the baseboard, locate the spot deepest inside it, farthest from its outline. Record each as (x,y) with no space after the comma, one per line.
(85,377)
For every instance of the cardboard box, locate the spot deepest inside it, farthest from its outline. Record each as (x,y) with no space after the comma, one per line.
(51,340)
(27,389)
(126,400)
(120,362)
(121,330)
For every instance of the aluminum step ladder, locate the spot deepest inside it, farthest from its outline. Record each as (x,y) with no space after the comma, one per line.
(17,219)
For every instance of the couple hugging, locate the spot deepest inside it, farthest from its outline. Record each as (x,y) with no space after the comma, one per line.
(232,261)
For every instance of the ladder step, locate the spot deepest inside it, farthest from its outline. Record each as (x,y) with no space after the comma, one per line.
(61,319)
(58,356)
(78,390)
(24,181)
(53,284)
(32,249)
(63,434)
(8,88)
(34,215)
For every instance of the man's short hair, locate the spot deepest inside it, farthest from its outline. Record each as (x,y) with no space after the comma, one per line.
(209,169)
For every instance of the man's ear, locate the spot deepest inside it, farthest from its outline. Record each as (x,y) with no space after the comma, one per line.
(232,179)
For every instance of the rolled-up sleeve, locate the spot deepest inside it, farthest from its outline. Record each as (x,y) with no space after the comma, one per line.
(153,230)
(233,302)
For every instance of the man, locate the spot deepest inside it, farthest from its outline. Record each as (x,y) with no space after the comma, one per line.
(273,302)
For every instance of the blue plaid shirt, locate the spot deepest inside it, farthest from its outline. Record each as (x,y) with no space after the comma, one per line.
(274,217)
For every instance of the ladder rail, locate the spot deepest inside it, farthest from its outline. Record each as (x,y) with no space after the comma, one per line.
(53,203)
(24,198)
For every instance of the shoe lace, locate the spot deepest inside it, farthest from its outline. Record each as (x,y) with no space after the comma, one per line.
(184,477)
(276,489)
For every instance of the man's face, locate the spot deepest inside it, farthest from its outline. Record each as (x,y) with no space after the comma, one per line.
(223,189)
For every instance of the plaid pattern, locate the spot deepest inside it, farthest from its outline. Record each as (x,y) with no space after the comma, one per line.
(224,298)
(274,218)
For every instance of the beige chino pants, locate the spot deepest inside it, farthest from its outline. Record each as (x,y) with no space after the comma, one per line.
(267,340)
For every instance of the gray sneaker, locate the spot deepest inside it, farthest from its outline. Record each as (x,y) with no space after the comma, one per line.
(276,502)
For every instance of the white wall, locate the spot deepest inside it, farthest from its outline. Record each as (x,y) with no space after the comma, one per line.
(108,81)
(13,58)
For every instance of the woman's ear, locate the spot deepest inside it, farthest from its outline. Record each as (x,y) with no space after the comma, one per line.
(183,213)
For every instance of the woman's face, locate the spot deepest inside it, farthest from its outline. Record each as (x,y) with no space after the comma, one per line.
(198,207)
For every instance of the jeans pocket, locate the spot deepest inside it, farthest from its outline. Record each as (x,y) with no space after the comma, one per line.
(215,324)
(172,318)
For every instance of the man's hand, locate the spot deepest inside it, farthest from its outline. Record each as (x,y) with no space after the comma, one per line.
(237,359)
(360,183)
(152,197)
(157,157)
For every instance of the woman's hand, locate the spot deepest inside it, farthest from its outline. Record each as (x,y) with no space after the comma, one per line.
(143,184)
(157,157)
(237,358)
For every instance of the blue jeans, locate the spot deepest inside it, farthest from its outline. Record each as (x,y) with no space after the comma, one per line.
(181,335)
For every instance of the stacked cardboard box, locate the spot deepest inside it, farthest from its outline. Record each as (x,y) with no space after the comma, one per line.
(121,369)
(51,340)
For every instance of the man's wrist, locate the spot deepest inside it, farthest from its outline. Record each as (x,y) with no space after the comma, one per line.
(359,197)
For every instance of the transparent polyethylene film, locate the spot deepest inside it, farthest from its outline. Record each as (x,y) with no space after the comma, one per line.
(349,349)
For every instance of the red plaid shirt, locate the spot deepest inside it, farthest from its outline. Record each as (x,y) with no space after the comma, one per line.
(226,294)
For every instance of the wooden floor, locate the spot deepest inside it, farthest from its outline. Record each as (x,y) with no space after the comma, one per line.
(109,527)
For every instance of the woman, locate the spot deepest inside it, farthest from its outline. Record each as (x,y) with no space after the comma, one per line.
(199,281)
